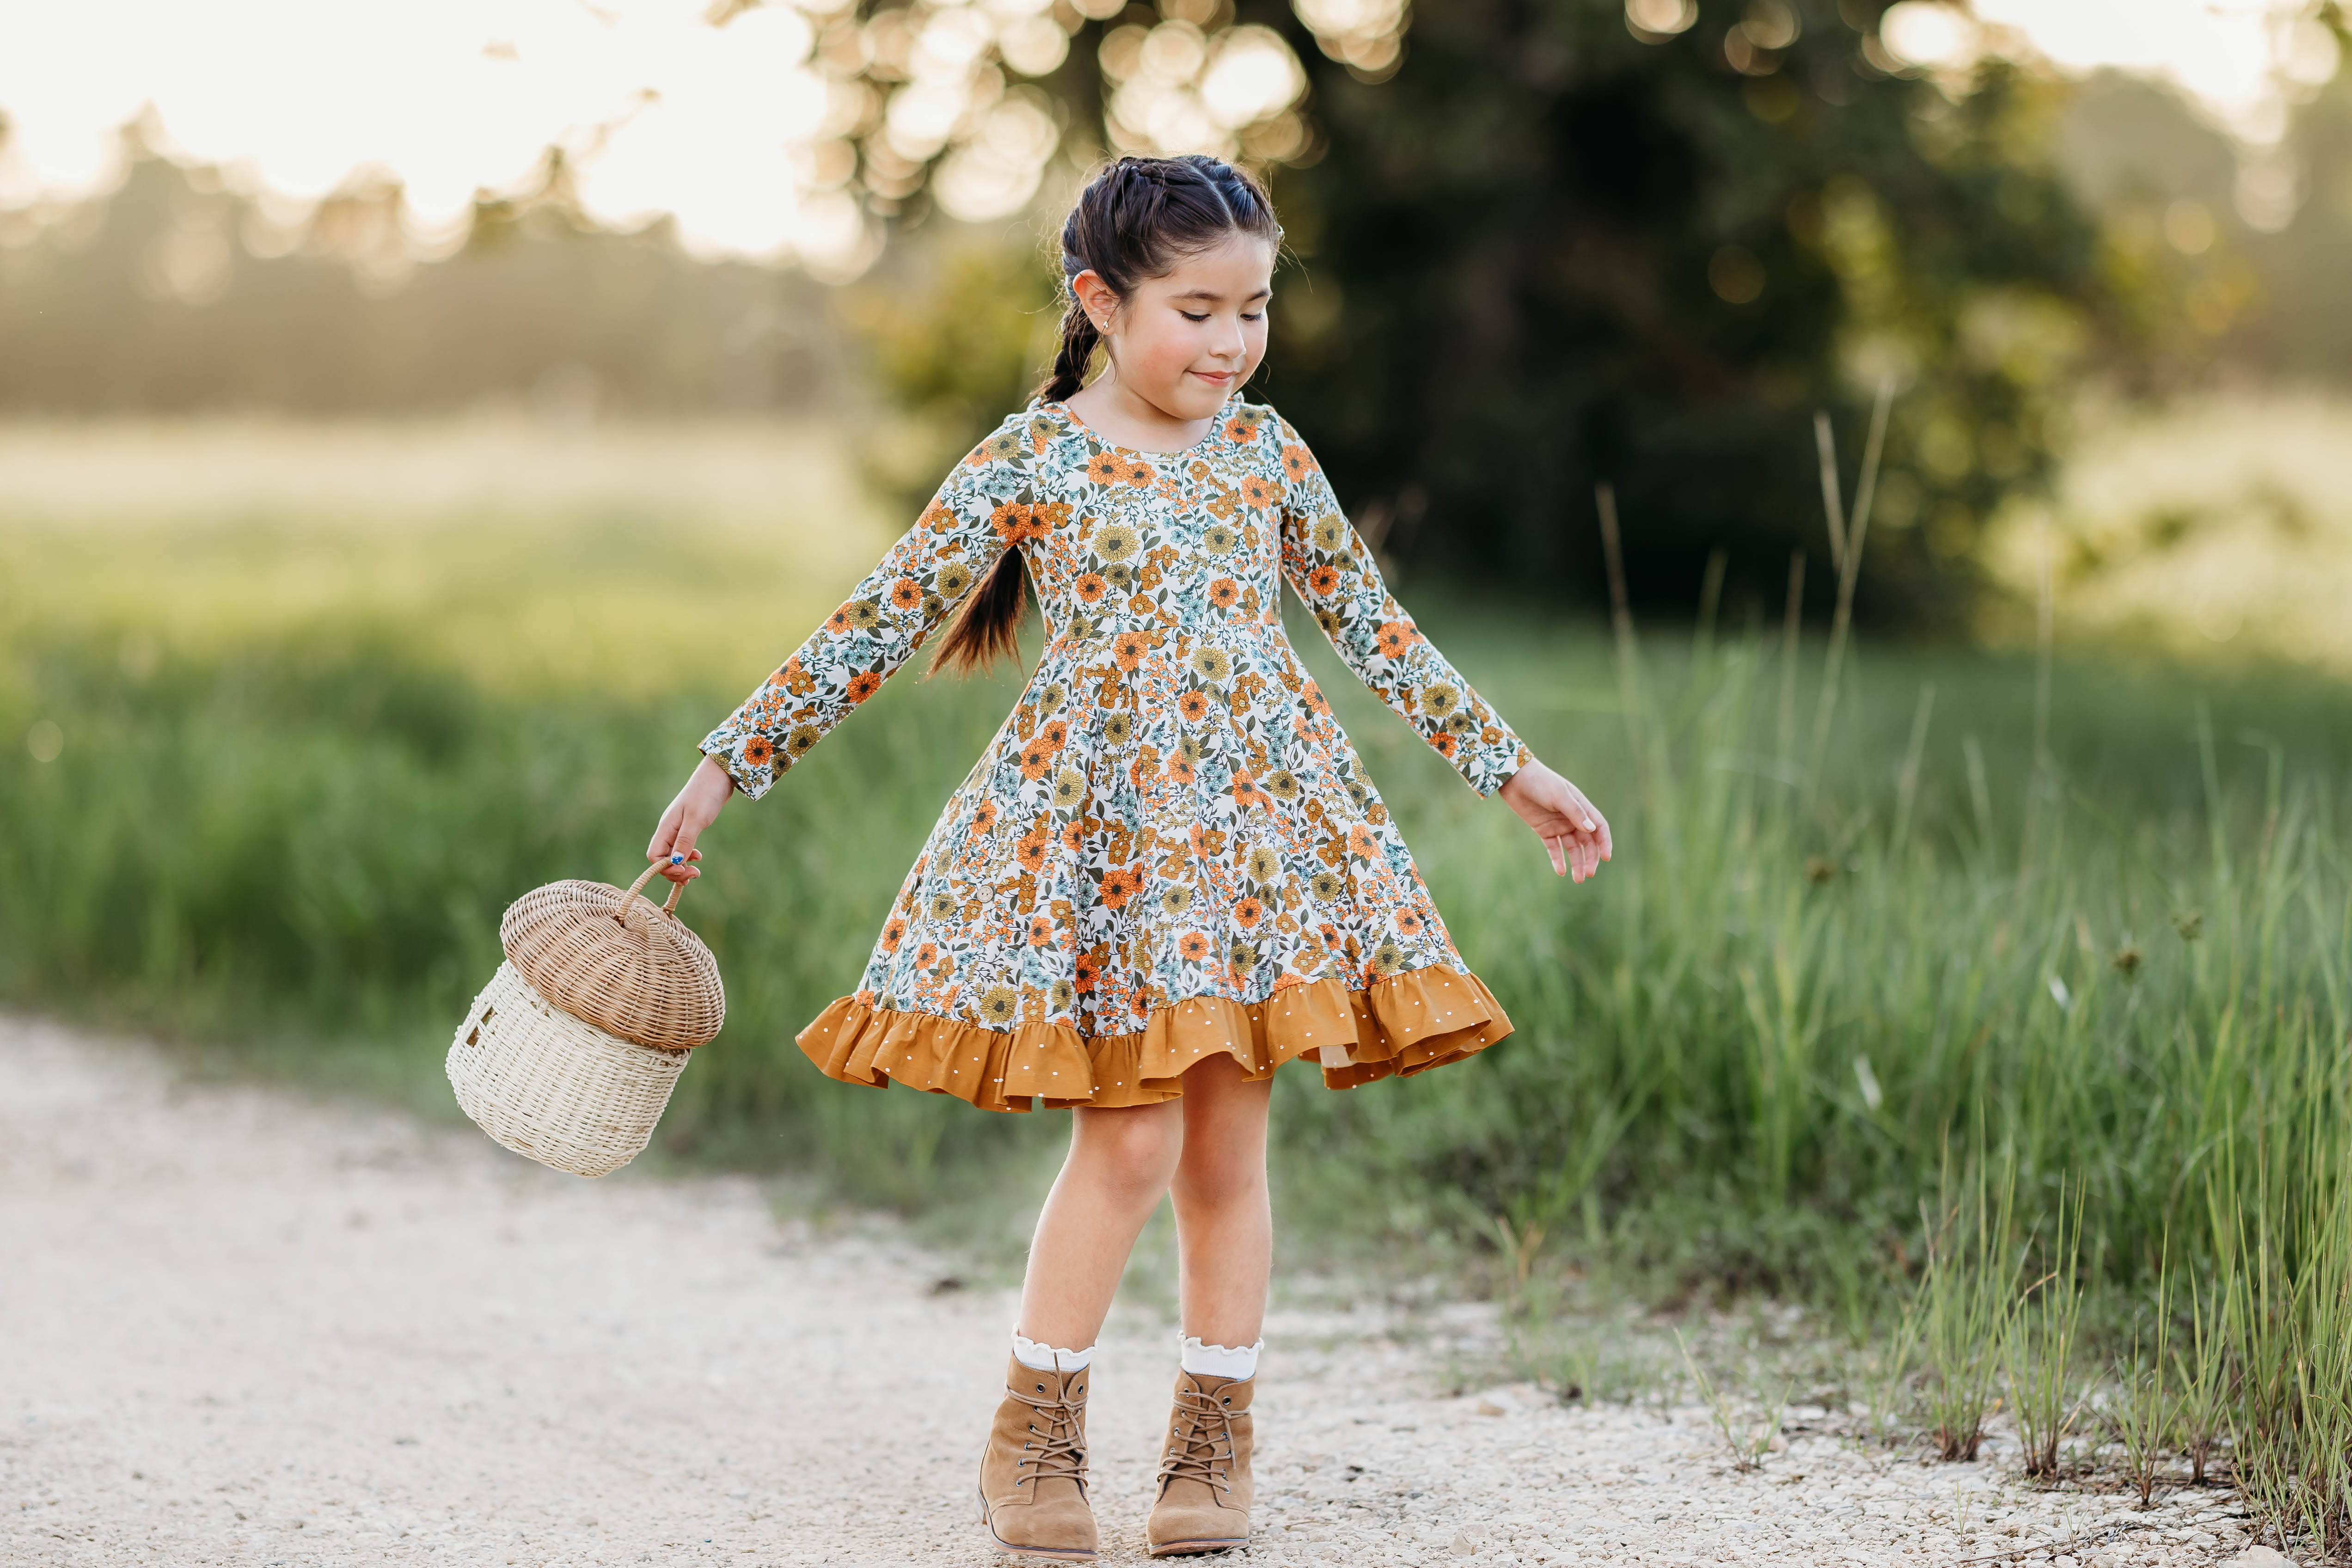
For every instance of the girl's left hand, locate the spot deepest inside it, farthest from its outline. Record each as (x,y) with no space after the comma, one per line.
(1576,835)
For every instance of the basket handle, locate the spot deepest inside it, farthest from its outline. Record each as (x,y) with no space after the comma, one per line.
(676,890)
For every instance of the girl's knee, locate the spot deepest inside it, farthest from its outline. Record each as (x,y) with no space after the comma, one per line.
(1136,1148)
(1214,1176)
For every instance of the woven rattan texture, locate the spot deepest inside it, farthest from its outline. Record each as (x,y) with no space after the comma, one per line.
(619,962)
(546,1085)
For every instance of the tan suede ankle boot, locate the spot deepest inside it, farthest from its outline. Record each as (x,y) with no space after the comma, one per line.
(1204,1471)
(1033,1474)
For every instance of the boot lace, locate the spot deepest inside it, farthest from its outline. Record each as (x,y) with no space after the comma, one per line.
(1061,1455)
(1201,1444)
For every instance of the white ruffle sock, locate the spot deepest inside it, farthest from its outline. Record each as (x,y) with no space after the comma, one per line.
(1220,1361)
(1046,1358)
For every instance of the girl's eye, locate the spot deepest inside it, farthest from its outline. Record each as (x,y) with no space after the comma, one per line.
(1189,317)
(1252,315)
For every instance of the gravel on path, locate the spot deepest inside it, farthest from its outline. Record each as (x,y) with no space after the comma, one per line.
(240,1326)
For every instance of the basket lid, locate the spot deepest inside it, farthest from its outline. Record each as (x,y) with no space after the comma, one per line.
(612,958)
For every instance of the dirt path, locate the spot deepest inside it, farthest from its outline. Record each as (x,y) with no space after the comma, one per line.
(239,1327)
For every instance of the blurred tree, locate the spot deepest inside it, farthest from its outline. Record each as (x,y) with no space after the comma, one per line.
(175,293)
(1570,240)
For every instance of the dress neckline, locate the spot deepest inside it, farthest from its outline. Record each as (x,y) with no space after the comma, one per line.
(1216,428)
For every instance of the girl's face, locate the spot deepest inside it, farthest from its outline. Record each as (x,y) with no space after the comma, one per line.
(1186,342)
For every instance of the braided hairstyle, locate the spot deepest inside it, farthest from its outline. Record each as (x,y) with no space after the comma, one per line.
(1139,218)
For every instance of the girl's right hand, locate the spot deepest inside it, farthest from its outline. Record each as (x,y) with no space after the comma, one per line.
(696,808)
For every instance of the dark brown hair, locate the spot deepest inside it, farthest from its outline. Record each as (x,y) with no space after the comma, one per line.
(1136,219)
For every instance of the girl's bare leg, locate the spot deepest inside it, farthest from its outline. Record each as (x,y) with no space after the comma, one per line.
(1224,1223)
(1119,1164)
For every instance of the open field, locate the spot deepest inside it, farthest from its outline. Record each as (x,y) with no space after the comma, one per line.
(1847,1023)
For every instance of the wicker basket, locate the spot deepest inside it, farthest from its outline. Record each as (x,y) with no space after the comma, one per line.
(569,1055)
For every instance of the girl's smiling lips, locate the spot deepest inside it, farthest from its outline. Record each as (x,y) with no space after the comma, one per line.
(1216,377)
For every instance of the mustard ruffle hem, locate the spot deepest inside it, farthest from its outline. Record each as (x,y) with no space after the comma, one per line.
(1400,1025)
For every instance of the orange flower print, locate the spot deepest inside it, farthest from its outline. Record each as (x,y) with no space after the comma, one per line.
(1295,464)
(1041,931)
(1224,593)
(1314,698)
(905,594)
(864,684)
(894,932)
(1103,469)
(759,751)
(1410,923)
(927,955)
(984,818)
(1323,582)
(1248,912)
(1444,743)
(1010,520)
(1074,839)
(1393,639)
(1046,516)
(1119,885)
(1180,768)
(1127,649)
(1135,471)
(1029,851)
(1090,586)
(1036,757)
(1247,794)
(839,623)
(1256,491)
(1192,947)
(1360,842)
(1193,705)
(1087,970)
(1054,732)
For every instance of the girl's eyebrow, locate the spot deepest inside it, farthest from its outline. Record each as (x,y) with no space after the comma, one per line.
(1211,295)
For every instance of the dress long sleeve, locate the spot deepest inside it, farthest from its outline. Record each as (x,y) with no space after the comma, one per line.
(981,509)
(1332,568)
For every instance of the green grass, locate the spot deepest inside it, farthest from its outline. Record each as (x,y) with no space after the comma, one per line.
(2120,961)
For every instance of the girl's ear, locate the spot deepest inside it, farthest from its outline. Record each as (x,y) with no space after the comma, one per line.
(1097,299)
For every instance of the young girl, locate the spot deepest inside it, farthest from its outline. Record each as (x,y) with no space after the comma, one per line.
(1169,873)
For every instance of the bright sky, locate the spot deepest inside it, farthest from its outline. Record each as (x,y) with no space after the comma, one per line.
(671,115)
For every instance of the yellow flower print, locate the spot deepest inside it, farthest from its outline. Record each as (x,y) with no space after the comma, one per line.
(1214,665)
(1116,543)
(1069,788)
(1330,532)
(999,1005)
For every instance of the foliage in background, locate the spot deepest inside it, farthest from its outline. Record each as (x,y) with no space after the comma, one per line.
(176,294)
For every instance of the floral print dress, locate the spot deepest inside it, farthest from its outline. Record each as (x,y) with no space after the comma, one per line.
(1169,849)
